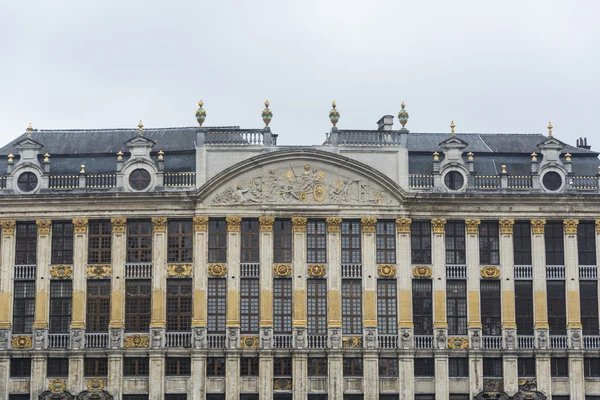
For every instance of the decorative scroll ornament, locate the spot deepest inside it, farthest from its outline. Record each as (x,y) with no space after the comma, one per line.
(159,224)
(299,224)
(266,224)
(316,270)
(99,271)
(217,270)
(96,384)
(200,224)
(472,225)
(490,272)
(506,226)
(458,343)
(403,225)
(334,225)
(234,224)
(368,224)
(118,225)
(43,226)
(571,226)
(249,342)
(136,341)
(61,271)
(537,226)
(354,342)
(80,225)
(386,270)
(439,225)
(21,342)
(282,270)
(282,384)
(57,385)
(179,270)
(8,227)
(422,271)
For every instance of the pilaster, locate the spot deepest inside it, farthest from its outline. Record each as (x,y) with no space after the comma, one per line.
(441,375)
(76,372)
(232,375)
(438,254)
(404,280)
(544,383)
(44,250)
(299,281)
(115,374)
(4,375)
(511,373)
(38,374)
(159,276)
(507,278)
(406,376)
(117,296)
(334,277)
(540,307)
(80,246)
(200,280)
(335,368)
(576,375)
(370,275)
(198,378)
(473,274)
(475,373)
(233,287)
(370,375)
(572,281)
(6,274)
(265,377)
(157,376)
(300,372)
(266,279)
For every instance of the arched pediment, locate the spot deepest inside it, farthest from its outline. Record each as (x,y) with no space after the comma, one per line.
(303,177)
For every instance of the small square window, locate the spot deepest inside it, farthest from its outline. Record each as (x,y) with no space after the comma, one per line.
(424,367)
(215,366)
(559,367)
(458,367)
(20,367)
(57,368)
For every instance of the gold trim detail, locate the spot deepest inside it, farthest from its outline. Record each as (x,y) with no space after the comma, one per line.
(422,271)
(490,272)
(80,225)
(354,342)
(57,385)
(179,270)
(506,226)
(200,224)
(299,224)
(282,270)
(403,225)
(458,343)
(136,341)
(8,227)
(472,225)
(598,226)
(386,270)
(266,223)
(118,225)
(217,270)
(368,224)
(334,224)
(61,271)
(234,224)
(95,384)
(537,226)
(159,224)
(282,384)
(249,342)
(316,270)
(439,225)
(99,271)
(43,226)
(571,226)
(21,342)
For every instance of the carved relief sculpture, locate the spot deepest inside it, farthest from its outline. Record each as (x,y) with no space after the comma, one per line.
(334,225)
(570,226)
(403,225)
(506,226)
(472,225)
(136,341)
(8,227)
(200,224)
(217,270)
(386,270)
(490,272)
(537,226)
(249,342)
(234,224)
(422,271)
(316,270)
(99,271)
(282,270)
(299,224)
(21,342)
(266,224)
(159,224)
(118,225)
(61,271)
(80,225)
(458,343)
(368,224)
(179,270)
(43,226)
(439,225)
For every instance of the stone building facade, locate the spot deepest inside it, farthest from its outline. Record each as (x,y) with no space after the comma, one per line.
(211,263)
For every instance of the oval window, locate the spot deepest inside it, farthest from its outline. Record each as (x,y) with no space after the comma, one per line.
(552,180)
(27,181)
(454,180)
(139,179)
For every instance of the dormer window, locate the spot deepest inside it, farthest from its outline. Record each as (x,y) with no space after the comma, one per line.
(27,182)
(552,181)
(454,180)
(139,179)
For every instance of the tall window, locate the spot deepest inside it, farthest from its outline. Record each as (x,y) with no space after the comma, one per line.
(420,240)
(456,292)
(139,242)
(387,315)
(62,242)
(490,308)
(138,300)
(282,305)
(317,306)
(282,366)
(455,243)
(61,292)
(489,243)
(23,306)
(249,305)
(353,366)
(249,366)
(524,307)
(522,242)
(181,241)
(98,305)
(588,297)
(586,242)
(555,247)
(179,304)
(557,312)
(352,306)
(250,239)
(217,241)
(422,306)
(99,242)
(316,242)
(282,241)
(217,305)
(95,367)
(351,242)
(25,253)
(386,242)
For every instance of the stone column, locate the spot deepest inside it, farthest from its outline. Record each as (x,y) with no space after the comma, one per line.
(114,382)
(404,287)
(265,384)
(80,253)
(440,322)
(370,274)
(232,378)
(370,374)
(232,374)
(299,304)
(6,283)
(335,368)
(334,308)
(38,375)
(406,375)
(158,321)
(157,375)
(44,252)
(300,374)
(198,377)
(266,307)
(4,375)
(76,372)
(117,295)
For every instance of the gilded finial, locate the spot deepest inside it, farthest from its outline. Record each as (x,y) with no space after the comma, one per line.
(503,169)
(200,113)
(29,130)
(334,115)
(533,156)
(46,157)
(436,156)
(452,126)
(470,156)
(11,158)
(267,114)
(161,155)
(140,127)
(568,157)
(120,156)
(82,169)
(550,129)
(403,115)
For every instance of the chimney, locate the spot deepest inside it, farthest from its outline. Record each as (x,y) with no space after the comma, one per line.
(385,123)
(582,144)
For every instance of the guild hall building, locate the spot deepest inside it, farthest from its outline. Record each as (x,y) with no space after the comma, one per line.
(212,263)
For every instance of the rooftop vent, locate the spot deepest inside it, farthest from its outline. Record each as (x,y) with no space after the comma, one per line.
(582,144)
(385,123)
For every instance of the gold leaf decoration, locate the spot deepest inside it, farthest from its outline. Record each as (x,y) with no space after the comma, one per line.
(334,224)
(217,270)
(490,272)
(537,226)
(472,225)
(21,342)
(159,224)
(118,225)
(571,226)
(439,225)
(282,384)
(179,270)
(422,271)
(249,342)
(136,341)
(506,226)
(61,271)
(96,384)
(368,224)
(57,385)
(458,343)
(403,225)
(8,227)
(354,342)
(316,270)
(99,271)
(43,226)
(386,270)
(299,224)
(200,224)
(266,224)
(598,226)
(234,224)
(80,225)
(282,270)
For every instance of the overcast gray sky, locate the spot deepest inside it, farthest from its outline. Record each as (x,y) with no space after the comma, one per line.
(491,66)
